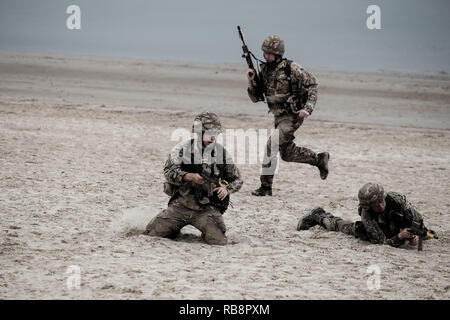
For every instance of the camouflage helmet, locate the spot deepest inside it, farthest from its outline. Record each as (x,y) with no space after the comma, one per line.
(370,194)
(208,121)
(273,44)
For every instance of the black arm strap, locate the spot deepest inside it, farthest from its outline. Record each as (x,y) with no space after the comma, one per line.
(287,71)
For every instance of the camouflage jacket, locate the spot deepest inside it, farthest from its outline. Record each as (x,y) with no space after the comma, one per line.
(275,86)
(214,160)
(384,228)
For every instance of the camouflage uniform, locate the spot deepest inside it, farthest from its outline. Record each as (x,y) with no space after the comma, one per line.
(378,228)
(285,98)
(190,203)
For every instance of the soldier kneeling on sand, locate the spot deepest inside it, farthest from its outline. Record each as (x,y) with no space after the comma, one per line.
(385,218)
(200,176)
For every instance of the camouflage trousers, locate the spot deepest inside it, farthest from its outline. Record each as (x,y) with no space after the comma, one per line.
(286,124)
(169,222)
(332,223)
(356,229)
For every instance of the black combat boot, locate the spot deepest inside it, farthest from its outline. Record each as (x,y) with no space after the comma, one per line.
(262,191)
(322,164)
(311,219)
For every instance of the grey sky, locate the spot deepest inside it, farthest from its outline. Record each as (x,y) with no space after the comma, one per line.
(322,33)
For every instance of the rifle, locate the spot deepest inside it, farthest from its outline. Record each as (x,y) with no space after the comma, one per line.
(256,82)
(417,228)
(221,205)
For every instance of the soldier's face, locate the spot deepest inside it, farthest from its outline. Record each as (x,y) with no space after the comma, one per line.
(270,57)
(208,139)
(379,208)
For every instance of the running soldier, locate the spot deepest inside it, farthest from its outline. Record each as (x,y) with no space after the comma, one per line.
(291,94)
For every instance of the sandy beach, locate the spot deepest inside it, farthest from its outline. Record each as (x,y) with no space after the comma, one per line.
(83,141)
